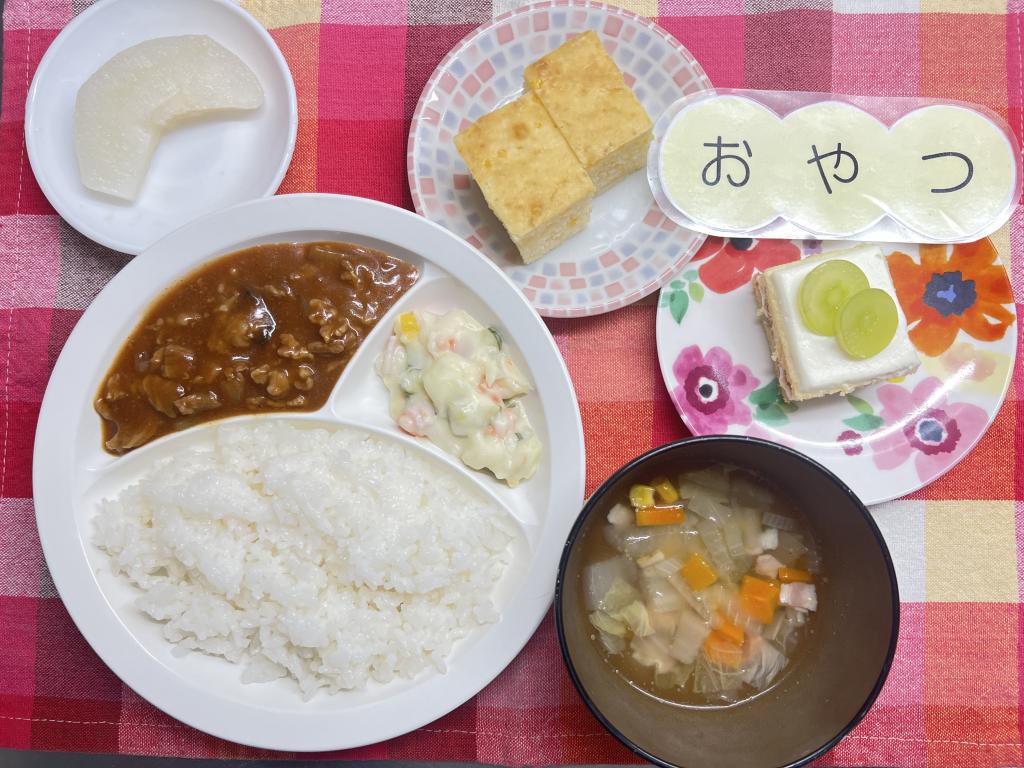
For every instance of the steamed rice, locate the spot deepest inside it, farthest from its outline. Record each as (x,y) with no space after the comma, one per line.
(332,557)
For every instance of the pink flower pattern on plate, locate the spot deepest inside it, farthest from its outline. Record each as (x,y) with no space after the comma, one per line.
(922,424)
(851,442)
(710,390)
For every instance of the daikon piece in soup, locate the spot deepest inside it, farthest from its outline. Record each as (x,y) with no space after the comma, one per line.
(702,588)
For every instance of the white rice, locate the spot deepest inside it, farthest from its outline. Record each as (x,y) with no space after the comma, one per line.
(333,557)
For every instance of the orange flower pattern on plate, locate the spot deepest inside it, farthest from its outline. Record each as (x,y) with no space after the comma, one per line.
(952,290)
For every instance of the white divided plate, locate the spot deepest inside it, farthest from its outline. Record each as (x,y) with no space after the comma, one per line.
(197,168)
(629,248)
(71,472)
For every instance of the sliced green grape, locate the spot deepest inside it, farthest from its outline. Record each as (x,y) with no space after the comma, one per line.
(867,323)
(825,289)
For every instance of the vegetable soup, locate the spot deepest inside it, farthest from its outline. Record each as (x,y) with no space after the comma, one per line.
(702,589)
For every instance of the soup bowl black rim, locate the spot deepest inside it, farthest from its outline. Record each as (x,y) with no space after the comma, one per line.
(614,479)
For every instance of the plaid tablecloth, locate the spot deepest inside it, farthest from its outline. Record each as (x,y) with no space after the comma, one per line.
(955,695)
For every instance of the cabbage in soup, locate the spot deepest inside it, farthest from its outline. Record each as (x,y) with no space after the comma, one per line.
(702,589)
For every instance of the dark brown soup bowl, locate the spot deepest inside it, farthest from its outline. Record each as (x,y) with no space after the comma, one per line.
(831,685)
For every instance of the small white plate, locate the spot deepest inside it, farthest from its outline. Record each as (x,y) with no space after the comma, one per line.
(71,473)
(629,249)
(885,440)
(197,168)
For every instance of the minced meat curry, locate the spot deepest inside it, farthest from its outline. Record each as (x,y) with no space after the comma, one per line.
(266,328)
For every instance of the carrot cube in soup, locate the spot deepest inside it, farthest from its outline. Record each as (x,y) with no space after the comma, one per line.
(760,588)
(730,630)
(760,598)
(758,608)
(660,515)
(720,649)
(789,575)
(698,573)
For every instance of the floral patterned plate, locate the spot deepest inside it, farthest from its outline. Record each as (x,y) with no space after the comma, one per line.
(886,440)
(629,249)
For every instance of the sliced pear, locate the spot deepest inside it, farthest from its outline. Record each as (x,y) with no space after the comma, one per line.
(128,103)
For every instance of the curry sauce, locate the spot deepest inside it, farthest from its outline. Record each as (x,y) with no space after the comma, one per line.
(267,328)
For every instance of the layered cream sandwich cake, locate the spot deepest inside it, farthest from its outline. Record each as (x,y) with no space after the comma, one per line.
(833,323)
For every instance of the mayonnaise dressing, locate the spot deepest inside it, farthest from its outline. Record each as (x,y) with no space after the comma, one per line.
(451,380)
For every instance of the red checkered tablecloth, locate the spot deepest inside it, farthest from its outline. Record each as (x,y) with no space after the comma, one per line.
(955,696)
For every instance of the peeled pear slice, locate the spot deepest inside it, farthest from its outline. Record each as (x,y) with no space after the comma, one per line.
(128,103)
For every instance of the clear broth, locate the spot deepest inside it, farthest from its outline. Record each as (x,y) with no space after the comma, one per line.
(642,677)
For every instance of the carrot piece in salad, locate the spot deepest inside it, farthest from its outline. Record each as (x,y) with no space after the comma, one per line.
(667,515)
(720,649)
(789,575)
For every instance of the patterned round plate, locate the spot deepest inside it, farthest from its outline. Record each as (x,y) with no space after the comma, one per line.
(886,440)
(629,248)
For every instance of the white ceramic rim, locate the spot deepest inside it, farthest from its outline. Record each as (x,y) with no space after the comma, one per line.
(44,181)
(65,551)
